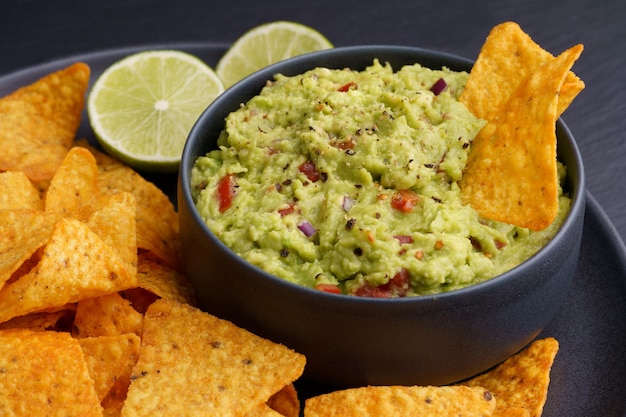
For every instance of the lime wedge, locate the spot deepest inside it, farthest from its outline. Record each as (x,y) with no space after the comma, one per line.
(265,45)
(142,107)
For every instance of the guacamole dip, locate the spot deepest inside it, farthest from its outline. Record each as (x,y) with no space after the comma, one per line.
(346,181)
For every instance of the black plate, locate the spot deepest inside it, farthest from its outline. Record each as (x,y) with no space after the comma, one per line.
(589,374)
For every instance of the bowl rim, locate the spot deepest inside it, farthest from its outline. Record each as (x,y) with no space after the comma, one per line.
(577,195)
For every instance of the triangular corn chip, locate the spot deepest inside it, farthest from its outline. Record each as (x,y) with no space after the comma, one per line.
(110,358)
(22,233)
(398,401)
(74,184)
(75,264)
(235,372)
(522,380)
(18,192)
(507,57)
(38,122)
(44,374)
(511,171)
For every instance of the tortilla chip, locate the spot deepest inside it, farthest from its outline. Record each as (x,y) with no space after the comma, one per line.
(114,401)
(115,223)
(157,220)
(511,172)
(191,362)
(56,321)
(22,233)
(75,183)
(107,315)
(286,401)
(75,264)
(18,192)
(45,374)
(263,411)
(38,122)
(391,401)
(163,280)
(109,358)
(512,412)
(506,59)
(522,380)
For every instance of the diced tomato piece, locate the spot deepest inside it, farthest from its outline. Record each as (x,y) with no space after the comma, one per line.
(398,286)
(404,200)
(372,292)
(287,210)
(330,288)
(346,86)
(308,169)
(226,191)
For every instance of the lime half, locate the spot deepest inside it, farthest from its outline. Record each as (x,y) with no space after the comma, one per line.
(265,45)
(142,107)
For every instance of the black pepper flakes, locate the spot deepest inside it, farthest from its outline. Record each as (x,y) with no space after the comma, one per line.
(358,251)
(140,375)
(247,361)
(350,224)
(216,344)
(284,253)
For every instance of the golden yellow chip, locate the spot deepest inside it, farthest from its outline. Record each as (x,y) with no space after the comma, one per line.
(74,184)
(511,172)
(286,401)
(522,380)
(263,410)
(163,281)
(38,122)
(157,220)
(109,358)
(107,315)
(115,223)
(22,233)
(18,192)
(191,362)
(508,57)
(44,374)
(114,400)
(392,401)
(75,264)
(512,412)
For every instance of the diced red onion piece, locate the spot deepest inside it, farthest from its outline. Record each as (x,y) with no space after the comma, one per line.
(347,203)
(439,86)
(307,228)
(404,239)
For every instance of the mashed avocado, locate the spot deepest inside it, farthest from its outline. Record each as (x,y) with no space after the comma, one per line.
(346,181)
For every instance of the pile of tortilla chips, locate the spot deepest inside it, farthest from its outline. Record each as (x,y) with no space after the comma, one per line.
(520,90)
(518,387)
(96,313)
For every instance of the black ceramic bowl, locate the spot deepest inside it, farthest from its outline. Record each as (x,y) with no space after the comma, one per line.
(352,341)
